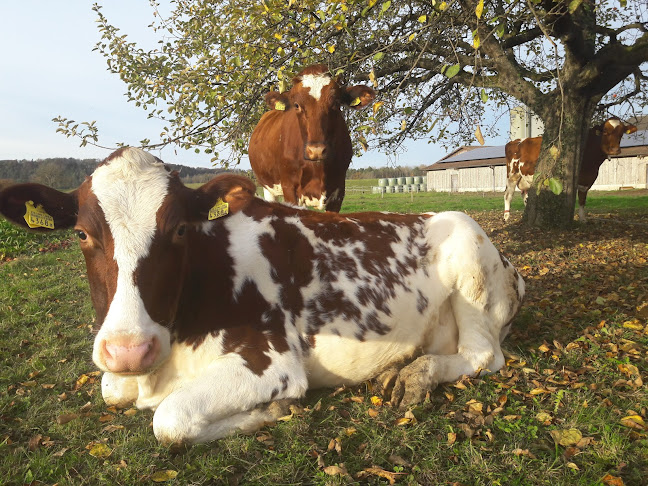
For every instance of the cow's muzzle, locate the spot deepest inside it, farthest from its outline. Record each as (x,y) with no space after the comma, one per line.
(315,151)
(128,355)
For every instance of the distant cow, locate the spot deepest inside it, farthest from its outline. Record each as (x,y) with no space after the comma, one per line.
(522,156)
(217,307)
(301,148)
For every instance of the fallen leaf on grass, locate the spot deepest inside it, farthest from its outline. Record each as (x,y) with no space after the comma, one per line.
(398,460)
(66,417)
(452,438)
(130,412)
(610,480)
(336,470)
(523,452)
(34,442)
(567,437)
(380,472)
(634,422)
(61,452)
(376,401)
(100,450)
(112,428)
(162,476)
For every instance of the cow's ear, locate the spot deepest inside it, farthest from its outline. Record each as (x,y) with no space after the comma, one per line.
(222,196)
(277,101)
(38,207)
(358,96)
(630,129)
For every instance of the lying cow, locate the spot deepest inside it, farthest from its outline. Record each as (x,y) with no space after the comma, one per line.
(522,155)
(301,148)
(217,306)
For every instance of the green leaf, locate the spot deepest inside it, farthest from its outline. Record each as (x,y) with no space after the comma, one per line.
(452,71)
(555,186)
(378,56)
(573,5)
(500,30)
(385,6)
(483,95)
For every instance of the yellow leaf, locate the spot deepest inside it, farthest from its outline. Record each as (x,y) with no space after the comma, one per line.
(130,412)
(479,9)
(479,136)
(373,413)
(412,37)
(633,422)
(331,49)
(278,36)
(634,324)
(422,19)
(443,6)
(476,41)
(403,125)
(452,438)
(82,380)
(100,450)
(377,106)
(162,476)
(376,401)
(350,431)
(567,438)
(573,466)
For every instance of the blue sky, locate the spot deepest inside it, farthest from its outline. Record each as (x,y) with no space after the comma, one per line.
(49,69)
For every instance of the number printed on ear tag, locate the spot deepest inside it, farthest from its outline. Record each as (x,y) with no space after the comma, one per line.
(220,209)
(37,217)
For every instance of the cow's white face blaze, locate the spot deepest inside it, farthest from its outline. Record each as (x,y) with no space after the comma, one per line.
(130,189)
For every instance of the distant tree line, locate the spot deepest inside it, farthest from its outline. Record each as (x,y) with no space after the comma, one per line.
(68,173)
(384,172)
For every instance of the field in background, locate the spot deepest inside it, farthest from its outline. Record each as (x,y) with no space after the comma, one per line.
(569,408)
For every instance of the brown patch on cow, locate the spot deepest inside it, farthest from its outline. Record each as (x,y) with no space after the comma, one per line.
(371,323)
(98,251)
(505,262)
(480,239)
(422,302)
(115,155)
(292,269)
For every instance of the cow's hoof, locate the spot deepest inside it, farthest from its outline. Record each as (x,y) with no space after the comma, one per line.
(506,216)
(385,381)
(413,383)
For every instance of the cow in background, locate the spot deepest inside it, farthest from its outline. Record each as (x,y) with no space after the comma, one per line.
(522,155)
(301,148)
(216,307)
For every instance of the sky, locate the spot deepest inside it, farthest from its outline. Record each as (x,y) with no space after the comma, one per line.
(49,69)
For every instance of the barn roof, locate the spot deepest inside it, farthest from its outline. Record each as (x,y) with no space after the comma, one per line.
(490,156)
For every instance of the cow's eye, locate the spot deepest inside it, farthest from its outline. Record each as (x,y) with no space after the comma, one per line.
(297,106)
(82,235)
(182,229)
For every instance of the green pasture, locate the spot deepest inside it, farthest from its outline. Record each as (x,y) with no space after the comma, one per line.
(569,408)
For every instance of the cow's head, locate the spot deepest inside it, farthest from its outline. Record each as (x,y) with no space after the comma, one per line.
(135,221)
(315,98)
(611,132)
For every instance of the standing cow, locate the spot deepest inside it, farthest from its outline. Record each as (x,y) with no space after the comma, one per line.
(301,148)
(522,155)
(216,307)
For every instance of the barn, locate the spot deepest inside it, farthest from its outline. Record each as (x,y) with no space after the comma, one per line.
(483,169)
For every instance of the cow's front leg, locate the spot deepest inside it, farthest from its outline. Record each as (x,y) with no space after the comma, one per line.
(427,371)
(228,398)
(119,390)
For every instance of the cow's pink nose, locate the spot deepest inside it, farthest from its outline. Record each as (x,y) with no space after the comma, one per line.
(315,151)
(128,356)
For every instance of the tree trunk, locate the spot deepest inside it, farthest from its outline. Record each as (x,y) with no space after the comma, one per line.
(566,127)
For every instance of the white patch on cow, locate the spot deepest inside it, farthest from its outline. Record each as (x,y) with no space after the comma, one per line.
(130,189)
(249,262)
(315,202)
(271,193)
(614,122)
(316,82)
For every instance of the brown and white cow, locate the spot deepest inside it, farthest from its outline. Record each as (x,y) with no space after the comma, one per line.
(522,155)
(301,148)
(215,323)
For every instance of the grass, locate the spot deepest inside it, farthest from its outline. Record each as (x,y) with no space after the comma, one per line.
(556,414)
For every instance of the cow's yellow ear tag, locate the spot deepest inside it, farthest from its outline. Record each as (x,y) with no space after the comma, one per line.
(279,105)
(355,102)
(36,217)
(220,209)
